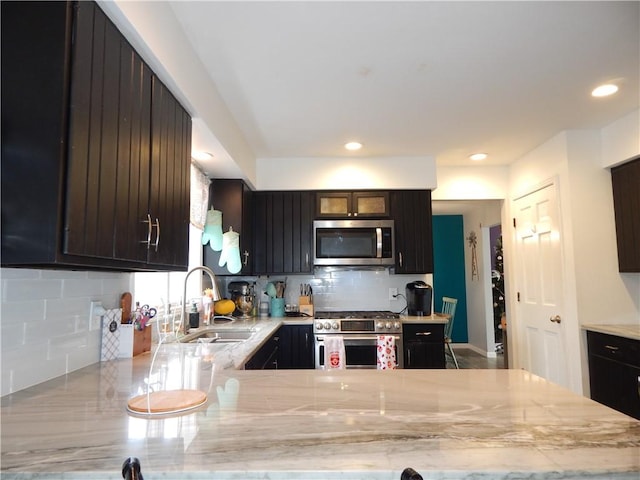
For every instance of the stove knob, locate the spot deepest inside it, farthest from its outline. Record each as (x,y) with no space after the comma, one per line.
(327,326)
(335,326)
(396,325)
(319,326)
(379,325)
(387,325)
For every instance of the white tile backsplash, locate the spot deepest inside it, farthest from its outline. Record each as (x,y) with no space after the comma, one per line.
(341,289)
(45,327)
(46,331)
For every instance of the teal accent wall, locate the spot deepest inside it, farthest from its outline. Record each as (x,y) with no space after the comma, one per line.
(448,270)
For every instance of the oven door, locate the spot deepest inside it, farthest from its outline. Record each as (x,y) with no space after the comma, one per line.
(360,350)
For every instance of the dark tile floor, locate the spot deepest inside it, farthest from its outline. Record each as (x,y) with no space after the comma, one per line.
(468,358)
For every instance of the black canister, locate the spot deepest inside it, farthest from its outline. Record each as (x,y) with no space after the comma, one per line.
(418,298)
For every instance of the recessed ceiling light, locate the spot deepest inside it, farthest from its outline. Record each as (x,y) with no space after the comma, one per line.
(353,146)
(202,156)
(478,156)
(604,90)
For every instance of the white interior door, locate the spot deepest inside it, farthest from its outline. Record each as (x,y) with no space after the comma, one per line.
(539,285)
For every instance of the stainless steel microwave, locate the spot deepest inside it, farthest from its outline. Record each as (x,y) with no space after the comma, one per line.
(353,242)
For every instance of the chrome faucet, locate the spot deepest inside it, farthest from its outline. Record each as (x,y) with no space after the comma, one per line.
(214,289)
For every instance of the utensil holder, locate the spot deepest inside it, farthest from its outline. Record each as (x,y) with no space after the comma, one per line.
(277,307)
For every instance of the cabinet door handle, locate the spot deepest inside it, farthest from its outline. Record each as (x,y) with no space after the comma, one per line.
(400,258)
(157,233)
(246,258)
(306,259)
(612,348)
(423,333)
(150,229)
(408,357)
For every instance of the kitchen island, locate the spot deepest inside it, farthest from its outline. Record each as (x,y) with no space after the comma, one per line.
(312,424)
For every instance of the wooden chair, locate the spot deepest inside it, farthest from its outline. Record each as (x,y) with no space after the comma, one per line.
(449,307)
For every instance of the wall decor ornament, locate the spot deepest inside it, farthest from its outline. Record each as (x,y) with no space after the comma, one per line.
(473,242)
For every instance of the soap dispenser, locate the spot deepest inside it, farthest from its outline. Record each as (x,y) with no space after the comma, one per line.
(194,316)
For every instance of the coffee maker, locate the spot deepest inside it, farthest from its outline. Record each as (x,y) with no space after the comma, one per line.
(242,294)
(419,298)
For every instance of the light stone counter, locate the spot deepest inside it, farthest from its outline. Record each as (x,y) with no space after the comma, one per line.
(435,318)
(308,424)
(627,331)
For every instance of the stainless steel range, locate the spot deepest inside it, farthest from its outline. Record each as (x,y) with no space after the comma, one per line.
(360,331)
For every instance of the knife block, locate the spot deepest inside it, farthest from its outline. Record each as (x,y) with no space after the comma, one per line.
(305,303)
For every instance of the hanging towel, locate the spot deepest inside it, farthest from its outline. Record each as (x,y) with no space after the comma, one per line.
(334,354)
(386,352)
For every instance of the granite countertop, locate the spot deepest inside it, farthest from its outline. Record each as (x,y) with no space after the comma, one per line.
(627,331)
(312,424)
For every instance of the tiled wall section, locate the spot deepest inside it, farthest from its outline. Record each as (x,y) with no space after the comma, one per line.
(342,289)
(45,326)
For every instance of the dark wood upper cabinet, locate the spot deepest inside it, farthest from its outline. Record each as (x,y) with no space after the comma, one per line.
(411,211)
(283,232)
(625,181)
(95,150)
(235,200)
(341,204)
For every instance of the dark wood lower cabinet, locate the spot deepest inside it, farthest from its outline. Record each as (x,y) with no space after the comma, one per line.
(614,372)
(291,347)
(423,345)
(296,347)
(266,358)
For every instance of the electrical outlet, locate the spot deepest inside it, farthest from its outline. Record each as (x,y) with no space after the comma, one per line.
(95,310)
(393,293)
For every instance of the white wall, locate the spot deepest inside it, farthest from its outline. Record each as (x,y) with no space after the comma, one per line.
(594,291)
(46,330)
(621,139)
(346,173)
(472,183)
(479,294)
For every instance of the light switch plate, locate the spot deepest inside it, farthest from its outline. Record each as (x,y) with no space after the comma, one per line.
(393,293)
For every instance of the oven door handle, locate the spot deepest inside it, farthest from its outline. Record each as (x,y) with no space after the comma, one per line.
(356,338)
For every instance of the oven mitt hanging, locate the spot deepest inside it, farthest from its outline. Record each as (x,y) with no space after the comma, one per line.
(213,230)
(230,251)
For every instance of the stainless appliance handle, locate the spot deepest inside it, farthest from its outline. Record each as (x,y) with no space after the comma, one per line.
(353,338)
(378,242)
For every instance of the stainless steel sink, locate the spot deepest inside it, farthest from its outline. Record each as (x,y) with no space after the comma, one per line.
(217,336)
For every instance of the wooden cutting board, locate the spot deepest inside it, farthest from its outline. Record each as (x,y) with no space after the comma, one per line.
(167,401)
(125,304)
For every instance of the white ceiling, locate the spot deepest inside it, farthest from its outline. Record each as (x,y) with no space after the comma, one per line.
(443,79)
